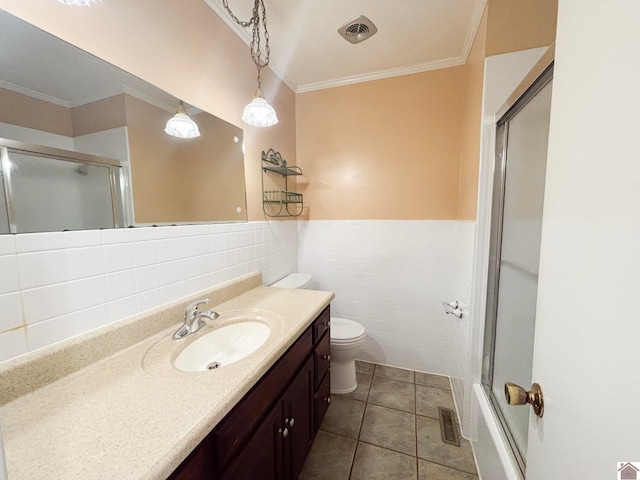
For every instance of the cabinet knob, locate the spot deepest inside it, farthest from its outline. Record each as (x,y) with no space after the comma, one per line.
(327,357)
(285,433)
(327,399)
(326,323)
(292,422)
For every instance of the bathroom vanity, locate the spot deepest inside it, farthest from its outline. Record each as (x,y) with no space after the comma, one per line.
(269,432)
(111,404)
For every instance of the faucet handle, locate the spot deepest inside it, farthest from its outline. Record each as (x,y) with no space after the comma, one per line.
(193,307)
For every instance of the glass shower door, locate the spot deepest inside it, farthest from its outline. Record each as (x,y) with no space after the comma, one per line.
(42,193)
(521,153)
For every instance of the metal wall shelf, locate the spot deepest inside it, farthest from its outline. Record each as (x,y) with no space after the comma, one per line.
(285,171)
(280,203)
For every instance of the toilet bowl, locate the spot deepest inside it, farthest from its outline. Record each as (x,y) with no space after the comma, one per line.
(347,339)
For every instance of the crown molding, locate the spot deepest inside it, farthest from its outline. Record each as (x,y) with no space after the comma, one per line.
(244,35)
(382,74)
(146,98)
(476,18)
(33,94)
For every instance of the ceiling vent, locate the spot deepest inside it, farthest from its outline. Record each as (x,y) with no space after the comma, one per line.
(358,29)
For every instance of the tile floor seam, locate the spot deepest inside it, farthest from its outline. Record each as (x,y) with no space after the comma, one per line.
(390,449)
(355,452)
(403,381)
(353,460)
(338,434)
(433,386)
(411,383)
(392,408)
(446,466)
(366,403)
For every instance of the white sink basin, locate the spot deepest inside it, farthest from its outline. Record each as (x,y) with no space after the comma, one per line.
(223,346)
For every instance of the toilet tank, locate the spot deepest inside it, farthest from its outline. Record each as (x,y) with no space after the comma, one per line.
(294,280)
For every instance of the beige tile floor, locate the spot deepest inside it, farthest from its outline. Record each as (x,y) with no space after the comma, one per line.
(388,429)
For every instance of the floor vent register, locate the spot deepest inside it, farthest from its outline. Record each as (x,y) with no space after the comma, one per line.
(449,431)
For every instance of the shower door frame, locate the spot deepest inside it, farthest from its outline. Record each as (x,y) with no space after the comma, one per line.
(507,113)
(39,151)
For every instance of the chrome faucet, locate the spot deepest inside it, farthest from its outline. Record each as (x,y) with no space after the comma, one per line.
(193,319)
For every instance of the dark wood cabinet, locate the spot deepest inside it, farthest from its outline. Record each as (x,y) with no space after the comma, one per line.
(322,400)
(322,359)
(268,434)
(297,405)
(322,368)
(262,457)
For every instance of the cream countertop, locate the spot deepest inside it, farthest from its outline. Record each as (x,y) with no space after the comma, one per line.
(132,415)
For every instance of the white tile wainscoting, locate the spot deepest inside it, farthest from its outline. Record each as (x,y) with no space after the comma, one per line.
(392,276)
(54,286)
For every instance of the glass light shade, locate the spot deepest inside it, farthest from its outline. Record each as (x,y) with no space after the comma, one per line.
(181,126)
(259,113)
(82,3)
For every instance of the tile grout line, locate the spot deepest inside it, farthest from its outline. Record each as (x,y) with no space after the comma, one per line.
(366,404)
(413,383)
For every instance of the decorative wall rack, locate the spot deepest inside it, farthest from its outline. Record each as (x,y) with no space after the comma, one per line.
(280,203)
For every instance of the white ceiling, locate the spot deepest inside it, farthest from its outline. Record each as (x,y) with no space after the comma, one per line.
(413,36)
(307,51)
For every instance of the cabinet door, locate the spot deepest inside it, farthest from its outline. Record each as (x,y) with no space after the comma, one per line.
(322,400)
(262,457)
(298,418)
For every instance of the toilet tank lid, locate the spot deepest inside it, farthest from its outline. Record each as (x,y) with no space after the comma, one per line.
(294,280)
(343,329)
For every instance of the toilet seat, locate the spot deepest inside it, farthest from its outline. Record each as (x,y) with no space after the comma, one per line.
(345,331)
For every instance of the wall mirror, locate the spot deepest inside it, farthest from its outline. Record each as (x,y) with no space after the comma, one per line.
(82,145)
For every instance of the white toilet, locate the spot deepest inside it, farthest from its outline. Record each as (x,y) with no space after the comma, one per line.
(347,339)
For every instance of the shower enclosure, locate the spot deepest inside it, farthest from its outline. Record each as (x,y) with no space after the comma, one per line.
(518,192)
(46,189)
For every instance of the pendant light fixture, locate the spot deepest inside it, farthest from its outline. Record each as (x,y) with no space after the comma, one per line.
(258,113)
(181,126)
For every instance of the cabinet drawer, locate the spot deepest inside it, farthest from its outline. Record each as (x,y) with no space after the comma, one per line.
(236,428)
(322,358)
(322,399)
(321,324)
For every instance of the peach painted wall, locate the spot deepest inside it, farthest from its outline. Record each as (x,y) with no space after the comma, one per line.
(185,49)
(178,180)
(212,181)
(158,179)
(384,149)
(514,25)
(29,112)
(100,115)
(471,121)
